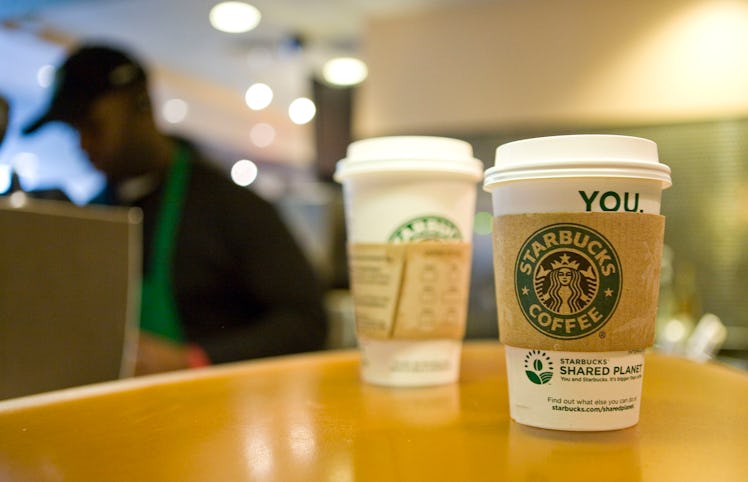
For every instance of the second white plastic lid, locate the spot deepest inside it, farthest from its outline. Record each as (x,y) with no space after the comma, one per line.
(583,155)
(408,154)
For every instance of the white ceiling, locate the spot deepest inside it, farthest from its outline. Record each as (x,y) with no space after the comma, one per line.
(176,33)
(174,37)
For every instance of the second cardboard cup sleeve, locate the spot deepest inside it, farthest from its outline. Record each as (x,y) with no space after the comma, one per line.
(410,291)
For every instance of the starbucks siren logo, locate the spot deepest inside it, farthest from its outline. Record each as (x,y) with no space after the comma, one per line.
(538,367)
(567,281)
(425,228)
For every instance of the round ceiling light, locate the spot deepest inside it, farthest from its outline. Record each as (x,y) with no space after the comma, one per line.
(302,110)
(174,111)
(258,96)
(244,172)
(345,71)
(234,17)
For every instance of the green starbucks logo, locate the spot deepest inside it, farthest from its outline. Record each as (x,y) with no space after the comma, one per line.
(567,281)
(538,367)
(425,228)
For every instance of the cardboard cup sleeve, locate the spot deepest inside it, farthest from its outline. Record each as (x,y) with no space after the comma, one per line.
(585,282)
(410,291)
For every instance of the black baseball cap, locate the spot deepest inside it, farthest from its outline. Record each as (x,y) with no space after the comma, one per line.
(88,73)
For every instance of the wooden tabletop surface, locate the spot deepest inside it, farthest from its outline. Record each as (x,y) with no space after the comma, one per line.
(308,417)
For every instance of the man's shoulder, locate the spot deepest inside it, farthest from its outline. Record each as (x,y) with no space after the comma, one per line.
(208,171)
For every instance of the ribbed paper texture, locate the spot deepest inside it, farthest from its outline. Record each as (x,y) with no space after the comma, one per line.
(410,290)
(578,281)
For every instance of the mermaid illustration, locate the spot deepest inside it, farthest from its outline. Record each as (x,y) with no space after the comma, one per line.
(565,289)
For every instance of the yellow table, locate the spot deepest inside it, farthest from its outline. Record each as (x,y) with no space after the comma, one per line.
(308,417)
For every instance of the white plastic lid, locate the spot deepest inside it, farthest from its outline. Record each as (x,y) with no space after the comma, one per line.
(583,155)
(403,154)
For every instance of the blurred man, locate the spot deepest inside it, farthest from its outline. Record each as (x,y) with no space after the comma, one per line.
(223,279)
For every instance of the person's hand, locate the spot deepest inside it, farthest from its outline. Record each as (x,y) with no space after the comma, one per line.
(157,355)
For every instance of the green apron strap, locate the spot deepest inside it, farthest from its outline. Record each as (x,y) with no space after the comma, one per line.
(158,309)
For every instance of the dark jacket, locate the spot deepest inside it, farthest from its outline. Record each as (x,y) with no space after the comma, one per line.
(244,289)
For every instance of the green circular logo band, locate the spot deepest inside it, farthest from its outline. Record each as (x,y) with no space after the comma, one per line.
(425,228)
(567,280)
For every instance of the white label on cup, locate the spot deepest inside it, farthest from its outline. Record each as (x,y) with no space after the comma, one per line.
(574,390)
(410,362)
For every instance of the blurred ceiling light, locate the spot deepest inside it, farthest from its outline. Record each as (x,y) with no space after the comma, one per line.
(5,178)
(675,331)
(45,75)
(262,134)
(258,96)
(26,164)
(301,110)
(345,71)
(244,172)
(174,111)
(18,199)
(234,17)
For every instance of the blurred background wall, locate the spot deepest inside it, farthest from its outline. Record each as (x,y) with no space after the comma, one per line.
(673,71)
(522,64)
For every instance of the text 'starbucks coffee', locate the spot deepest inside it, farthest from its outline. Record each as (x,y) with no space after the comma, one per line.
(577,247)
(567,280)
(409,206)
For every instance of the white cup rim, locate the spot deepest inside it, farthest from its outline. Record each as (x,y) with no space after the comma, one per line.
(577,156)
(578,169)
(416,155)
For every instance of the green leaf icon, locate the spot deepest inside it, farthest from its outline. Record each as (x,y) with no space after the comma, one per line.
(534,378)
(545,377)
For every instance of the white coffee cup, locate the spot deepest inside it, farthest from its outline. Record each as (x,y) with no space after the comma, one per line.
(547,193)
(405,190)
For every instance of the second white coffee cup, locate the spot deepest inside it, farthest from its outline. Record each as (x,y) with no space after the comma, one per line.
(402,194)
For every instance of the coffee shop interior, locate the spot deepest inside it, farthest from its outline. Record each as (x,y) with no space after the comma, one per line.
(266,107)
